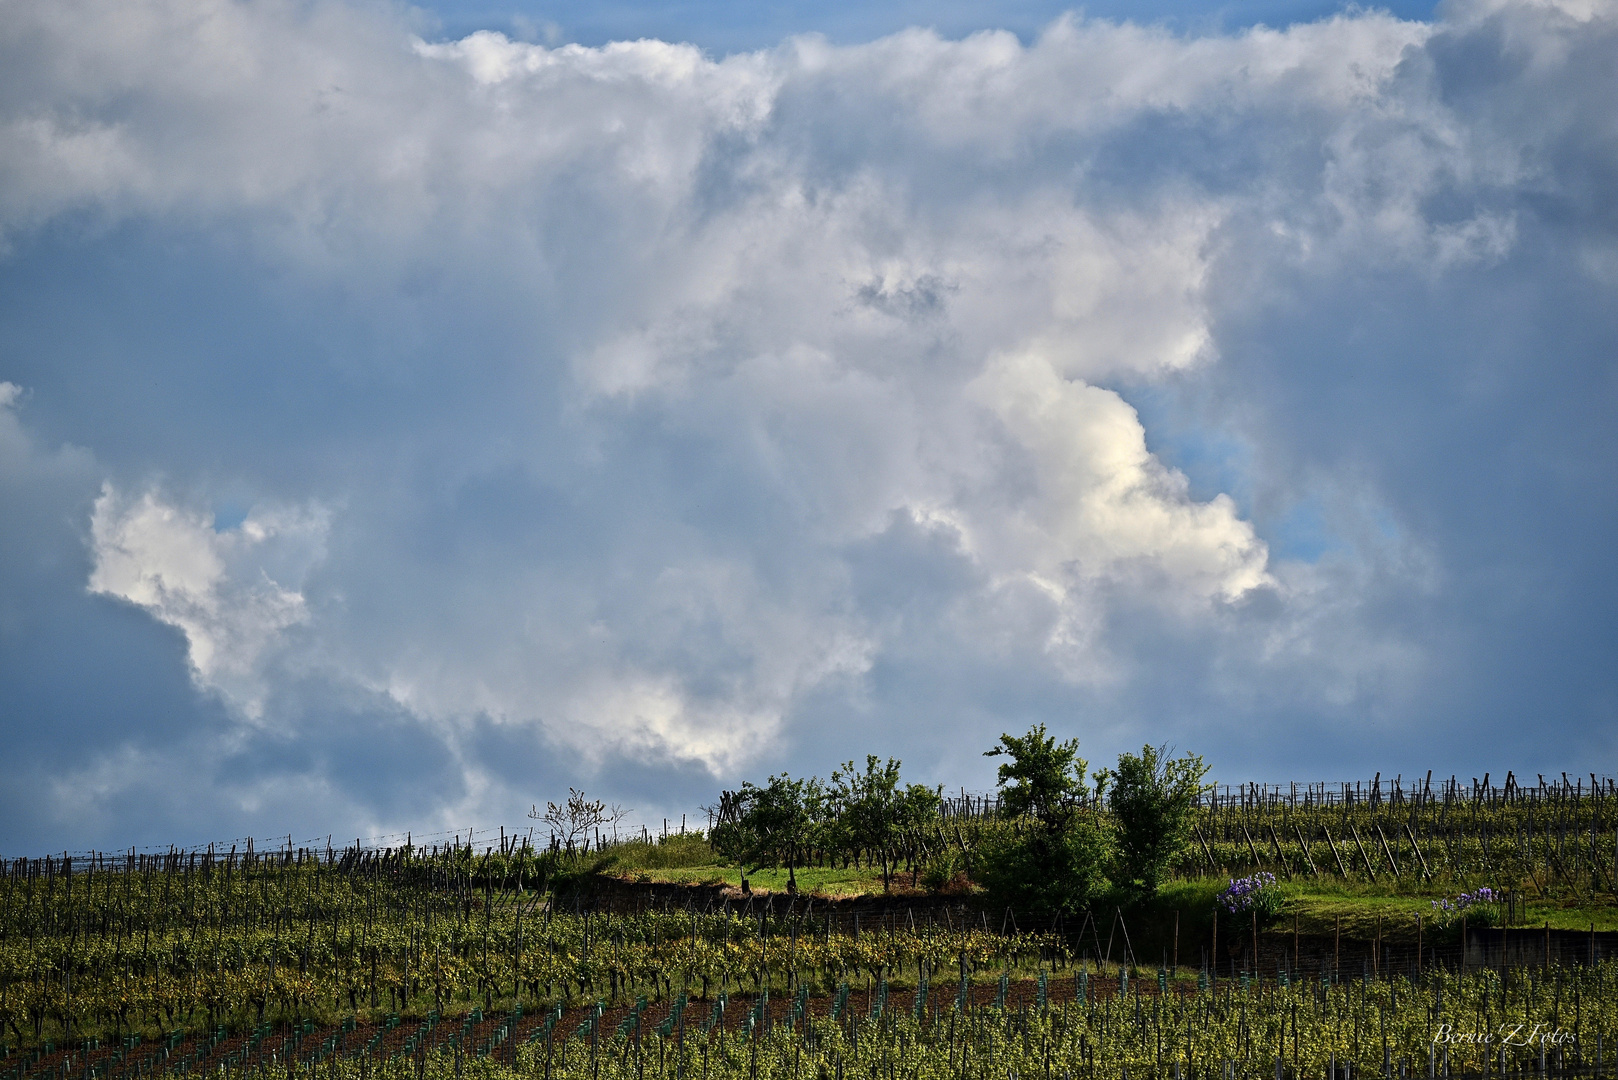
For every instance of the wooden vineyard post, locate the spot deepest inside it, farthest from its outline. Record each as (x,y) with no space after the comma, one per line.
(1418,942)
(1214,948)
(1176,969)
(1255,943)
(1337,946)
(1295,961)
(1341,869)
(1304,846)
(1388,851)
(1425,873)
(1205,849)
(1258,863)
(1368,867)
(1275,842)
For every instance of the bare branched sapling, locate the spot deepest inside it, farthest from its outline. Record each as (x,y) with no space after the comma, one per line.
(573,821)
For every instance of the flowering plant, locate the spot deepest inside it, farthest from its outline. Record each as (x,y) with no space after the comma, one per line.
(1257,893)
(1481,907)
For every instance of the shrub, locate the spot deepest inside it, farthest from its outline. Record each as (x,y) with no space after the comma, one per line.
(1151,798)
(664,852)
(1046,872)
(942,870)
(1058,865)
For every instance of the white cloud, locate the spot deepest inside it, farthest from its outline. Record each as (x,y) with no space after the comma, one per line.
(866,332)
(215,586)
(620,360)
(1096,500)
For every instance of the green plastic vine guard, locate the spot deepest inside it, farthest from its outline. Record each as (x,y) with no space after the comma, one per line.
(544,1030)
(717,1016)
(665,1028)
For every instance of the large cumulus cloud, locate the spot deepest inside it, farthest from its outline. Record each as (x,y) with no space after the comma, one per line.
(464,417)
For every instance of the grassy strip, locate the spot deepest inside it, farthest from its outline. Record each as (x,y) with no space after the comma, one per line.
(1322,905)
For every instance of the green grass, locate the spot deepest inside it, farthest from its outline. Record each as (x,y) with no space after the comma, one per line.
(688,859)
(675,850)
(1318,903)
(819,880)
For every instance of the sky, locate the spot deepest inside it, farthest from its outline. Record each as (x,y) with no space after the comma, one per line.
(408,413)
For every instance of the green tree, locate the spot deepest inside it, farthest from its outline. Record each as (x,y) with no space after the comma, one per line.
(1056,865)
(1046,873)
(870,809)
(775,825)
(917,810)
(1044,778)
(1151,797)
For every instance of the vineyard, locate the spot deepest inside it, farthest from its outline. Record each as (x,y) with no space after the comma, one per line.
(409,962)
(1549,837)
(1548,840)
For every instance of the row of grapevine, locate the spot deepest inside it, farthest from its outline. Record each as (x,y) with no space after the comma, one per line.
(1556,838)
(1564,839)
(141,952)
(1557,1023)
(303,961)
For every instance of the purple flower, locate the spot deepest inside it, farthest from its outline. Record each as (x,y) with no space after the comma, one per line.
(1242,892)
(1483,895)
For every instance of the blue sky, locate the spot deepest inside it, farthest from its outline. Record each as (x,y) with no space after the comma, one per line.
(408,413)
(727,27)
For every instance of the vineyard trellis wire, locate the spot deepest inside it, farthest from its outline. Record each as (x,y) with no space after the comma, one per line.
(1557,1024)
(122,963)
(1562,831)
(1558,834)
(338,959)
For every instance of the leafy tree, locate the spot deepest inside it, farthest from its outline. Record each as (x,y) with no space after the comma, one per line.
(776,825)
(871,809)
(917,809)
(1044,872)
(1151,797)
(1045,777)
(1057,865)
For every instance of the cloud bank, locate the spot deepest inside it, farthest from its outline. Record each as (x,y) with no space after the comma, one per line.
(406,428)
